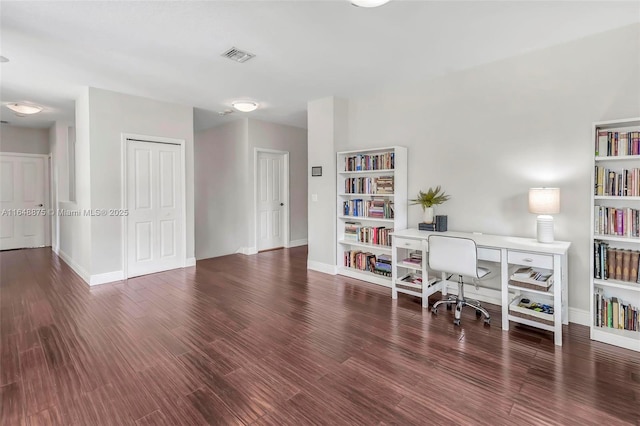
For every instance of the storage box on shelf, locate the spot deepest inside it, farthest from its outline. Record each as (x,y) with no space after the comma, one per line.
(615,234)
(371,203)
(531,293)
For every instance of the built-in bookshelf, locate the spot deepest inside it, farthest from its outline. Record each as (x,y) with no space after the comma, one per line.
(615,234)
(371,203)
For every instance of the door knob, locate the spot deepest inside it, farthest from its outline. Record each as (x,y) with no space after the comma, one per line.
(282,204)
(40,205)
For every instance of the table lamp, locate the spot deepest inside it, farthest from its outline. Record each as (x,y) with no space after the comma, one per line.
(544,202)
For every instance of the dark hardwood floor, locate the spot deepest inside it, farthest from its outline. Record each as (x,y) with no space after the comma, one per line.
(261,340)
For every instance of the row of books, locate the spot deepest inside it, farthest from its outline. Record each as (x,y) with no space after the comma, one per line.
(625,183)
(369,185)
(375,208)
(611,144)
(612,312)
(615,264)
(354,231)
(616,221)
(366,261)
(414,259)
(369,162)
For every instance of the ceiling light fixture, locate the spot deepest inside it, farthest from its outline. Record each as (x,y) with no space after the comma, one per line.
(24,109)
(4,59)
(368,3)
(245,106)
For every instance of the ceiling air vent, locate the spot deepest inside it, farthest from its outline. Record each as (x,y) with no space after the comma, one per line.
(238,55)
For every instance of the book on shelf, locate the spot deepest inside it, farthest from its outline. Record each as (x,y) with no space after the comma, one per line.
(414,259)
(369,185)
(624,222)
(617,143)
(620,183)
(376,235)
(359,162)
(375,208)
(613,312)
(412,278)
(615,263)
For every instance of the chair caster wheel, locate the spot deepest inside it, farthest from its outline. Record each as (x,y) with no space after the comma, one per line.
(478,314)
(456,322)
(449,307)
(434,311)
(487,321)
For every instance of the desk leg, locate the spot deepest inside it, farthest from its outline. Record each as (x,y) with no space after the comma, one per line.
(557,299)
(425,277)
(565,289)
(504,280)
(394,268)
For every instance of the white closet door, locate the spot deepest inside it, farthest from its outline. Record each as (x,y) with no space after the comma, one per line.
(154,199)
(271,197)
(22,222)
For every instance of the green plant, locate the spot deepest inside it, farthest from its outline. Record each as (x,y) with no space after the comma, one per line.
(432,197)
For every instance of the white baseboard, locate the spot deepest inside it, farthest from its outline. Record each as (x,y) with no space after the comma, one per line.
(325,268)
(191,261)
(298,243)
(107,277)
(73,265)
(247,250)
(579,316)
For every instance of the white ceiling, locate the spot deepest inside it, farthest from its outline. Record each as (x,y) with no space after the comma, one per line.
(304,50)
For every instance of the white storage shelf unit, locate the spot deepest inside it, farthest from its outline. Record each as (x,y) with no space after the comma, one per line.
(398,198)
(626,291)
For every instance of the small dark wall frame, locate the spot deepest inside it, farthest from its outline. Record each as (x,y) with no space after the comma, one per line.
(316,171)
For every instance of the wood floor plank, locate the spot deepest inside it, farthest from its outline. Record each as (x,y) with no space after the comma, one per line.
(262,340)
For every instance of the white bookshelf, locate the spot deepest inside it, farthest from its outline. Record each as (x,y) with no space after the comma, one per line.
(628,292)
(398,198)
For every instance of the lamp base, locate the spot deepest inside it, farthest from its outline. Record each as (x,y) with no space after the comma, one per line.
(545,228)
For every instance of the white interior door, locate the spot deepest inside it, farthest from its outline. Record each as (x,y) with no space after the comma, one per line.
(271,198)
(154,200)
(22,202)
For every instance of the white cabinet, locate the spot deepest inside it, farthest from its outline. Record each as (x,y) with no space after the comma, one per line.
(615,233)
(371,203)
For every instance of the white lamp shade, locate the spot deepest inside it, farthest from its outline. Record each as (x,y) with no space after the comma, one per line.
(544,200)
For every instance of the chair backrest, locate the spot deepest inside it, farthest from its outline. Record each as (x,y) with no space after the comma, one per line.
(454,255)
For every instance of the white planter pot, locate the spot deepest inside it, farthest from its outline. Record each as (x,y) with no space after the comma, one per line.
(428,215)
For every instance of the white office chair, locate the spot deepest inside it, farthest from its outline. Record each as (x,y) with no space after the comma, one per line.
(459,256)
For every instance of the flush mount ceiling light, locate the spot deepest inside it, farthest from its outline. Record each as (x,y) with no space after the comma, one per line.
(368,3)
(24,109)
(245,106)
(3,59)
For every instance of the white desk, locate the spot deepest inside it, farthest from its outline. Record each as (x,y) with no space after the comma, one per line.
(503,250)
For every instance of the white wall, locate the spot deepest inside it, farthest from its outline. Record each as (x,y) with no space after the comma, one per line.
(224,183)
(328,125)
(74,231)
(489,133)
(262,134)
(220,184)
(110,115)
(24,140)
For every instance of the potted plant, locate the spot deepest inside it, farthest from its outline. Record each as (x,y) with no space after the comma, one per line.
(428,199)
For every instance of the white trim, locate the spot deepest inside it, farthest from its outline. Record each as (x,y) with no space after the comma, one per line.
(191,261)
(107,277)
(247,250)
(73,265)
(579,316)
(298,243)
(21,154)
(286,215)
(123,165)
(325,268)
